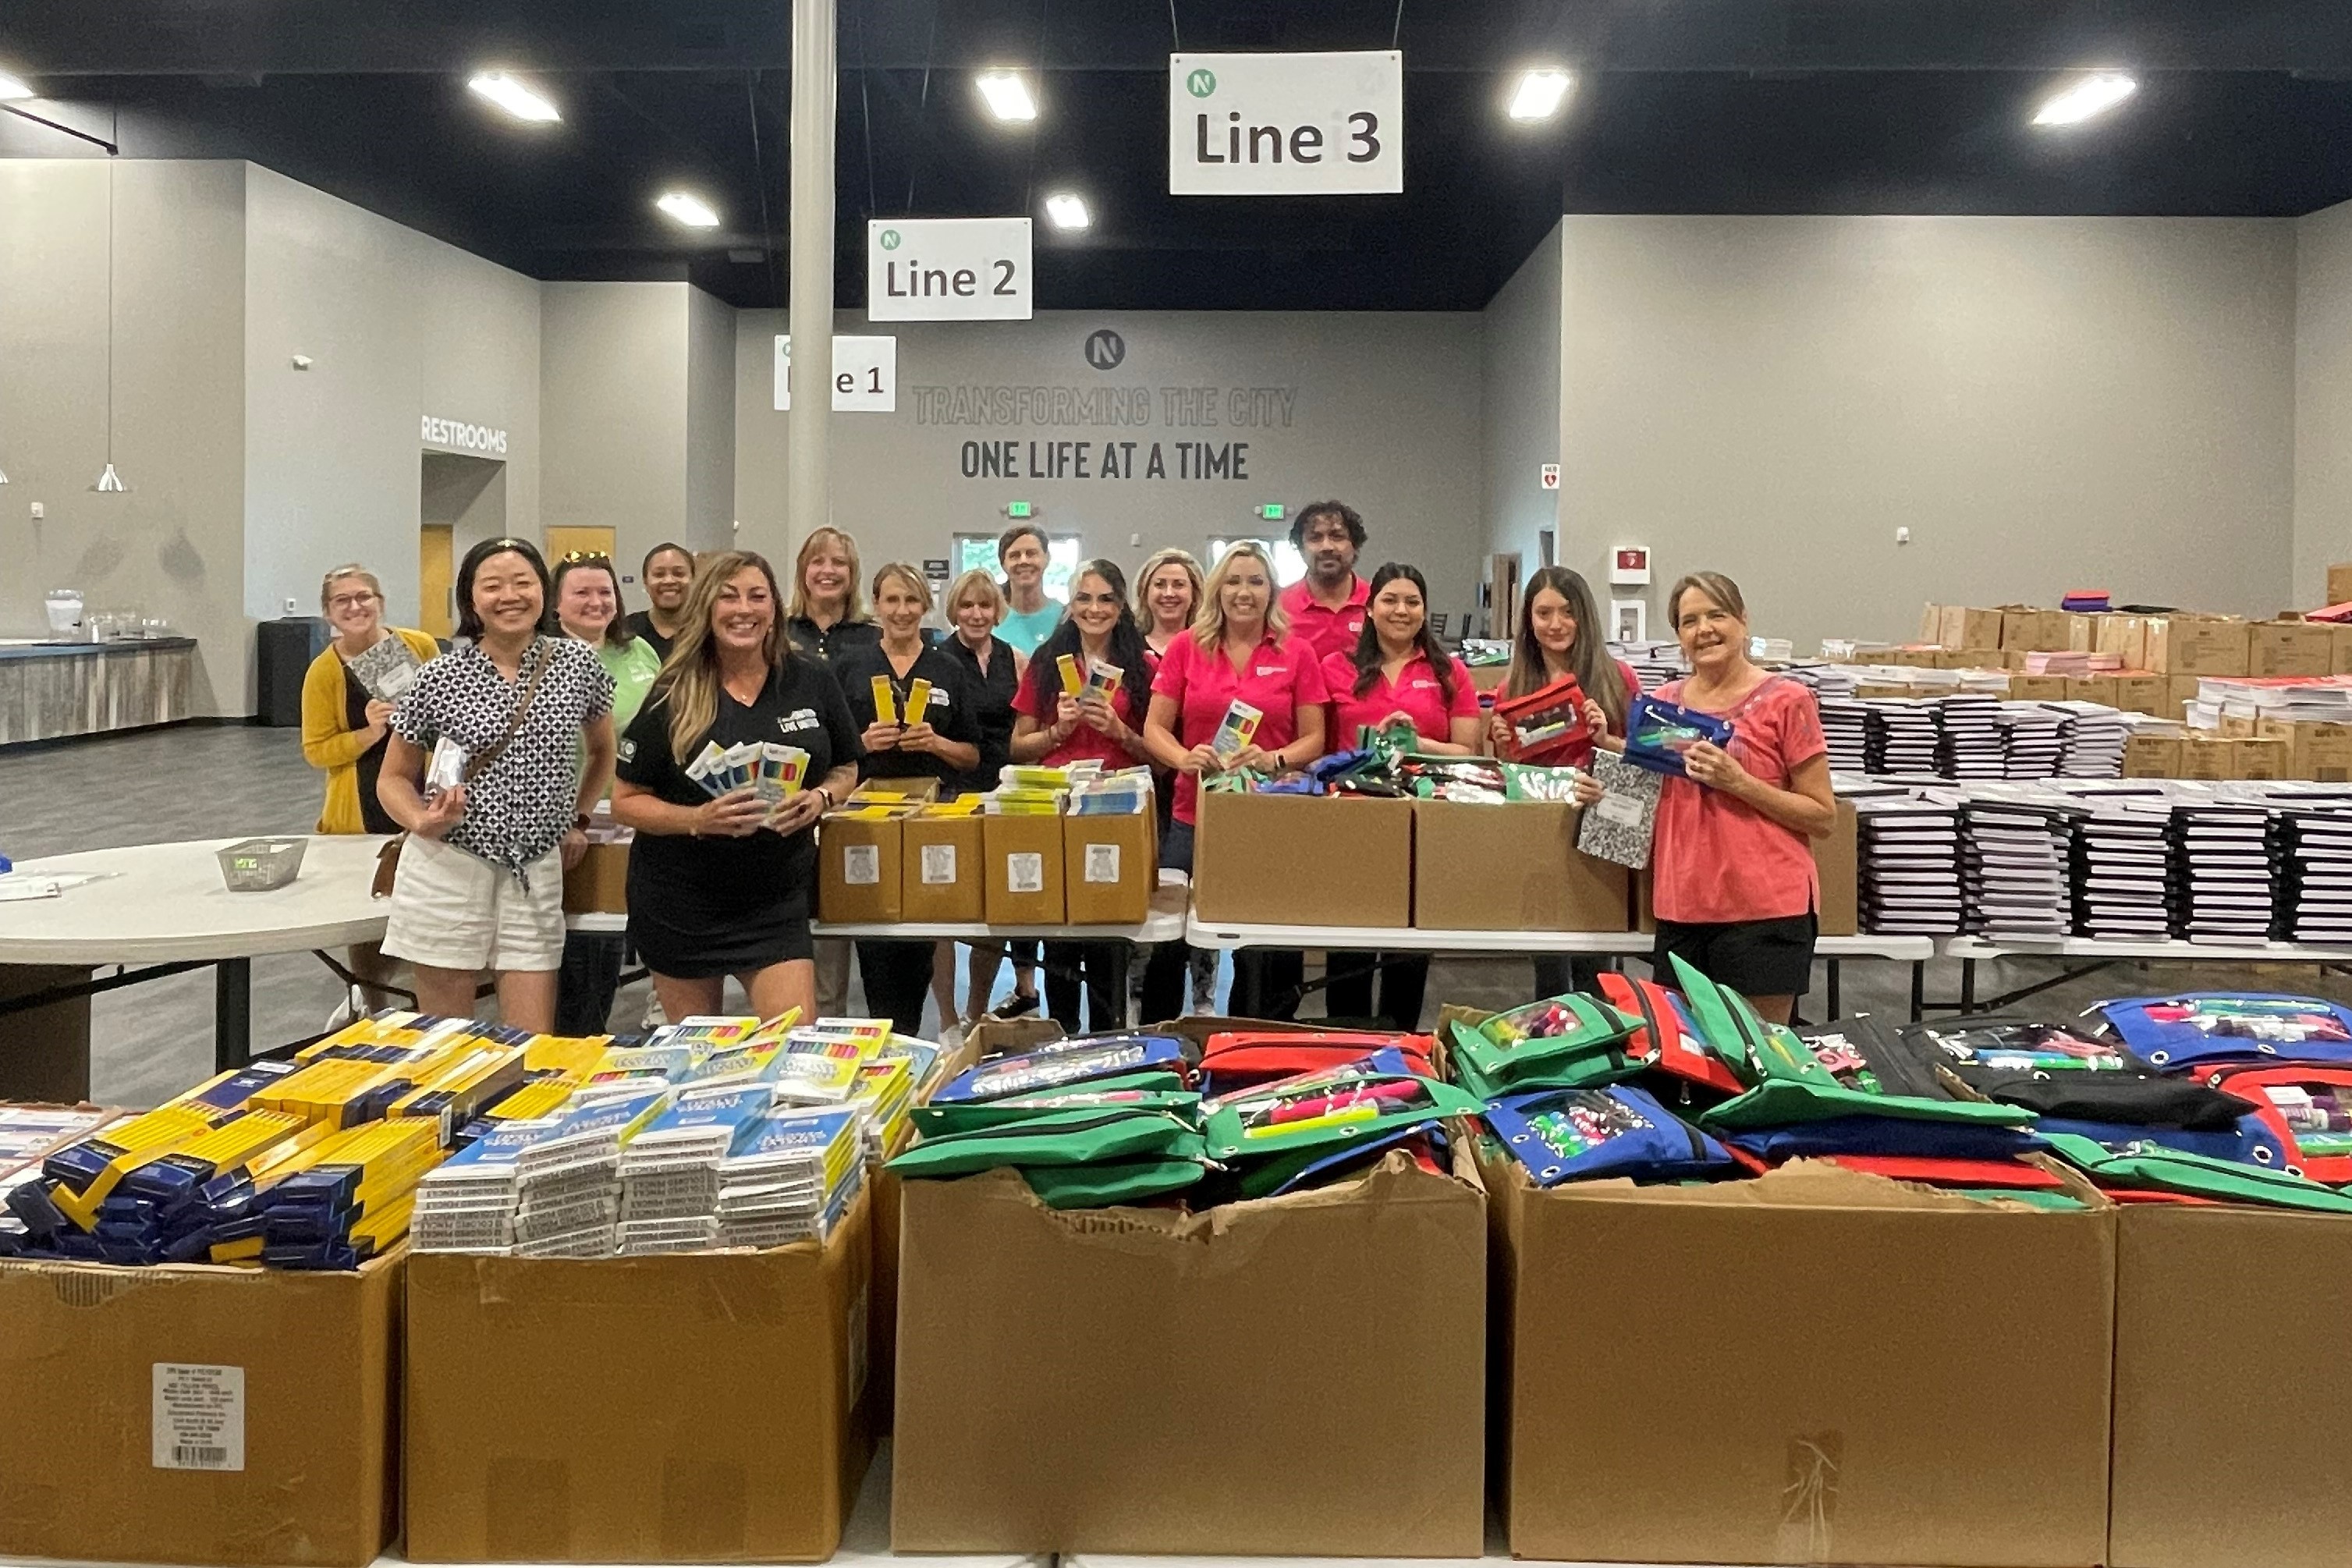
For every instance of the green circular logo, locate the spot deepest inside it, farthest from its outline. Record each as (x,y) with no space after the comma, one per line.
(1201,83)
(889,239)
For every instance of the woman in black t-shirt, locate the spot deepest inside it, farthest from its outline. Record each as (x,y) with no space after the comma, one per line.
(944,746)
(724,886)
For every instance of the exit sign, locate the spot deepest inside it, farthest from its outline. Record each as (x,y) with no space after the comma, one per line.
(1016,508)
(1271,513)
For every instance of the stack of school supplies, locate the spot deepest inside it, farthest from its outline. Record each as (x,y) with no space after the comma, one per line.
(790,1176)
(1618,1130)
(769,769)
(468,1203)
(1323,1127)
(669,1172)
(352,1199)
(884,1094)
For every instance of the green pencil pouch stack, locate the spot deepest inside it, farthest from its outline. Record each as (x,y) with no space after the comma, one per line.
(1080,1150)
(2153,1167)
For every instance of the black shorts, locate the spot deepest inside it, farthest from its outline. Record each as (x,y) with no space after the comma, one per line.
(778,939)
(1755,958)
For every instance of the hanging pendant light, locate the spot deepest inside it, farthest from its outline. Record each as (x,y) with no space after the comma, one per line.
(109,481)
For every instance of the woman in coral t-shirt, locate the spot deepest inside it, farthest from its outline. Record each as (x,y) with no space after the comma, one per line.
(1737,891)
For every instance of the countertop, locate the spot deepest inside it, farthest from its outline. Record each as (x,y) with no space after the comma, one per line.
(11,649)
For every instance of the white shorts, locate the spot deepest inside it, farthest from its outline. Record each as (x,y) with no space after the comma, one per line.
(454,911)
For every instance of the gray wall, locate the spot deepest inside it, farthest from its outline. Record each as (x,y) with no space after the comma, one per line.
(708,521)
(174,545)
(2323,399)
(1382,410)
(1520,336)
(396,326)
(2045,403)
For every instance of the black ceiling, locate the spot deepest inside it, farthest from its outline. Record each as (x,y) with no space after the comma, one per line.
(1681,106)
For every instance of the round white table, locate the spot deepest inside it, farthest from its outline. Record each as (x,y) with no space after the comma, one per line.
(165,906)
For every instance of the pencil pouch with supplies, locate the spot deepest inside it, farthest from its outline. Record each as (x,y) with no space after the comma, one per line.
(1545,724)
(1561,1043)
(971,1115)
(1066,1062)
(1580,1134)
(2054,1069)
(1231,1062)
(1657,734)
(1057,1138)
(1667,1033)
(2308,1110)
(1324,1165)
(2168,1170)
(1111,1184)
(2194,1028)
(1342,1105)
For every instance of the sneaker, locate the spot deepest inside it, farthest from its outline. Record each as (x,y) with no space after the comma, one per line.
(1013,1006)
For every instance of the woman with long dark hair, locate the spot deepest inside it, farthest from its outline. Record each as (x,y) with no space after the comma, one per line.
(1561,635)
(1055,729)
(725,886)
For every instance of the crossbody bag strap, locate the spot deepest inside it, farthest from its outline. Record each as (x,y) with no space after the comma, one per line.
(477,766)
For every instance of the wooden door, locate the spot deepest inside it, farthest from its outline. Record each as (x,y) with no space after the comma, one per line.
(1505,598)
(563,541)
(434,571)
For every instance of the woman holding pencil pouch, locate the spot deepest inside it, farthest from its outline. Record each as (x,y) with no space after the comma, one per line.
(742,744)
(1084,700)
(919,719)
(1238,692)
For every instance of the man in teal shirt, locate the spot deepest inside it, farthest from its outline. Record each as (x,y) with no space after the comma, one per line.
(1032,617)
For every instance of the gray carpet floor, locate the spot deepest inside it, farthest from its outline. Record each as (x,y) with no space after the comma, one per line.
(150,1041)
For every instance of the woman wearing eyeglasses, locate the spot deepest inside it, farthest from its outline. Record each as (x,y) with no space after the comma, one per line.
(346,721)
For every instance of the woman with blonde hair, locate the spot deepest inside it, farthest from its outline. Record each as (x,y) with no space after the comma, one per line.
(726,884)
(347,724)
(1239,650)
(828,609)
(1167,595)
(975,608)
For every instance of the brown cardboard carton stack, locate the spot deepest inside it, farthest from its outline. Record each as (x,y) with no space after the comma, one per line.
(1143,1380)
(2285,647)
(2028,630)
(696,1407)
(2339,584)
(1295,859)
(859,852)
(941,869)
(1903,1445)
(2199,645)
(1510,867)
(1958,626)
(2152,757)
(2322,753)
(198,1414)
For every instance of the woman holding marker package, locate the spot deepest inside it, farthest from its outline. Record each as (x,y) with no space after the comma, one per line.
(1398,673)
(942,741)
(1167,602)
(1055,729)
(725,885)
(1239,650)
(1737,889)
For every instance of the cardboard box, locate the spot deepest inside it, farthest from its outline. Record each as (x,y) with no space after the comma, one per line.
(942,871)
(1148,1381)
(697,1407)
(2034,631)
(1931,623)
(2228,1335)
(305,1365)
(1837,860)
(2290,647)
(897,791)
(2339,584)
(2083,632)
(859,861)
(1488,677)
(1290,859)
(2208,756)
(2322,753)
(2152,757)
(2260,759)
(2238,726)
(2198,645)
(1905,1442)
(1645,900)
(2137,691)
(1969,659)
(2125,635)
(2103,690)
(2340,650)
(2037,688)
(1960,627)
(1110,868)
(1025,871)
(599,884)
(1510,867)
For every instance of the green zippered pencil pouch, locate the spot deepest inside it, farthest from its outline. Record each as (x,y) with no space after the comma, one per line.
(1108,1185)
(1057,1138)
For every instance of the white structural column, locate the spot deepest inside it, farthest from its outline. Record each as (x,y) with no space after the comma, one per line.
(809,481)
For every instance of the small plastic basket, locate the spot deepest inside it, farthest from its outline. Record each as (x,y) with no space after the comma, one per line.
(258,864)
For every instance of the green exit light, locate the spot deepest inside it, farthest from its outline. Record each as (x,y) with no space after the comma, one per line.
(1016,508)
(1272,511)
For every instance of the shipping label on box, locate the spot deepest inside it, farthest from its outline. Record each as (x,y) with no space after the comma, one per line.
(859,867)
(1292,859)
(942,879)
(2152,757)
(2291,648)
(1024,869)
(1510,867)
(1111,867)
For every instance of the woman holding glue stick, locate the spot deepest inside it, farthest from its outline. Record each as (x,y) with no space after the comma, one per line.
(725,884)
(1737,888)
(1239,660)
(915,706)
(1399,673)
(1098,651)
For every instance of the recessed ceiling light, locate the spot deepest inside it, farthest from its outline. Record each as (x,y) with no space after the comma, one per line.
(1008,96)
(522,103)
(1540,94)
(1067,210)
(2093,95)
(12,87)
(690,210)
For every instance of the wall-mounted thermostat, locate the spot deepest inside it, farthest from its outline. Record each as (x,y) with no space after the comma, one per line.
(1629,566)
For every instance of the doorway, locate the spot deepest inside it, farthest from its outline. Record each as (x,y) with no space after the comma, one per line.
(462,501)
(1503,597)
(563,542)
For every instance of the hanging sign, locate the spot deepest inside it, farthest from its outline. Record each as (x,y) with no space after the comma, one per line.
(948,269)
(865,375)
(1285,125)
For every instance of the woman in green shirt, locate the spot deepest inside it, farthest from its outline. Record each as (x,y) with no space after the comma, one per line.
(588,607)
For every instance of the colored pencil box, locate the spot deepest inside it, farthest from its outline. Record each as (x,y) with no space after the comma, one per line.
(1580,1134)
(1342,1105)
(2308,1110)
(1066,1062)
(2170,1170)
(1109,1186)
(1546,723)
(1561,1043)
(1657,733)
(2194,1029)
(1239,1060)
(1057,1138)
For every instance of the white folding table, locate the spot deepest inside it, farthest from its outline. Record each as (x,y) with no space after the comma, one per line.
(2078,956)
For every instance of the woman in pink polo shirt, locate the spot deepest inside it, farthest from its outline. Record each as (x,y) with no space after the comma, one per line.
(1053,727)
(1397,670)
(1239,650)
(1737,891)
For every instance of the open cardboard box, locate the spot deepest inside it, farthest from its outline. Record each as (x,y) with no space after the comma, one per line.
(200,1415)
(1814,1367)
(1296,1376)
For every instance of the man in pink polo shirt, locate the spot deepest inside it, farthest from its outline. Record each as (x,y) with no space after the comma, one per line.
(1326,606)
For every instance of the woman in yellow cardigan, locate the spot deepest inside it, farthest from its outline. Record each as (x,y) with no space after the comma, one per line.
(347,714)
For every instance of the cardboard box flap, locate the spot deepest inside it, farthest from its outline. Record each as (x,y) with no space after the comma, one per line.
(1813,1184)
